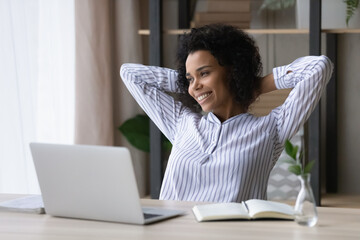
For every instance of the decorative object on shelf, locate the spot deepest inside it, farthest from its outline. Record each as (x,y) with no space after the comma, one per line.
(136,130)
(335,14)
(277,4)
(305,207)
(234,12)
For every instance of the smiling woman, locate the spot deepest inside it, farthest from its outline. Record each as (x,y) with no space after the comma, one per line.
(225,154)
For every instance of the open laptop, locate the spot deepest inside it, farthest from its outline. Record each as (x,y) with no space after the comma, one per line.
(91,182)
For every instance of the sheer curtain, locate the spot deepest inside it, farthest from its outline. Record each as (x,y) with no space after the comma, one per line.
(36,84)
(106,37)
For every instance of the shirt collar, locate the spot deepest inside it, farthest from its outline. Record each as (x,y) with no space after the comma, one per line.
(211,117)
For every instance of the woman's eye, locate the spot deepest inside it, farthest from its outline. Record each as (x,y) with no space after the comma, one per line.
(190,79)
(203,74)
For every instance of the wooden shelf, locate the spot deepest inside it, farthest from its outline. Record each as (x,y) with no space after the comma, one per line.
(341,30)
(260,31)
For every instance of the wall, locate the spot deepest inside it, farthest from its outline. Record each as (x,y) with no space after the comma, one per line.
(349,113)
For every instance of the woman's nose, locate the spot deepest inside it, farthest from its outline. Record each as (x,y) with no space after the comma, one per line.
(196,84)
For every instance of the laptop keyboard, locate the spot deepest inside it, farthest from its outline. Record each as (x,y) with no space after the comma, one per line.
(148,215)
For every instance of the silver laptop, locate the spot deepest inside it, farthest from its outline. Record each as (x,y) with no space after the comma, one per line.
(91,182)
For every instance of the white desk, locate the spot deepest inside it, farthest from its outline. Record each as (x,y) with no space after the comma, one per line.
(334,223)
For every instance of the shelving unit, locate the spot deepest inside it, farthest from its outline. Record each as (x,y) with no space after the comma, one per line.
(260,31)
(312,128)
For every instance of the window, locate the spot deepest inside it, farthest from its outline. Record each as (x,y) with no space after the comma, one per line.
(37,52)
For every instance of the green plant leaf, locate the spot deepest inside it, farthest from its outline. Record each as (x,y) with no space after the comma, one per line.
(294,152)
(296,165)
(136,131)
(301,155)
(289,149)
(296,169)
(166,145)
(351,6)
(309,166)
(289,161)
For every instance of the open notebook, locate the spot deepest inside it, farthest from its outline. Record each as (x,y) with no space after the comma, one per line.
(250,209)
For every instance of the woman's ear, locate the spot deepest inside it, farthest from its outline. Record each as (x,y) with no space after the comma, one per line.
(256,94)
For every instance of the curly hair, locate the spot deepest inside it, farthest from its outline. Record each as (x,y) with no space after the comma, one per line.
(233,49)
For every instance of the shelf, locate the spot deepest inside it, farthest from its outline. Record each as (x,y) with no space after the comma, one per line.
(341,30)
(259,31)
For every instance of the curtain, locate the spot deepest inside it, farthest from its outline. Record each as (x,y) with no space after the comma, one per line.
(36,84)
(106,37)
(61,87)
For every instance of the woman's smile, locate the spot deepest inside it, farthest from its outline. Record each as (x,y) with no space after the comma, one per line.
(203,97)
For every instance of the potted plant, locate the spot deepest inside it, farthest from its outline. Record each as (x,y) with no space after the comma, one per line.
(137,131)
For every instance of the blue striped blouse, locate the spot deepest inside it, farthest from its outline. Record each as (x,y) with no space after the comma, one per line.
(226,161)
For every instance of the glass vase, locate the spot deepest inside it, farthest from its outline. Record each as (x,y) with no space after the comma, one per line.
(305,207)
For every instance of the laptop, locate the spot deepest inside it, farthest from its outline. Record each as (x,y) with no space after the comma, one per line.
(91,182)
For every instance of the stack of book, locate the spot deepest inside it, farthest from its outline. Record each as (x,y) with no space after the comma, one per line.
(234,12)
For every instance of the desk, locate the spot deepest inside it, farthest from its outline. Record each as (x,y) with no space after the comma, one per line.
(334,223)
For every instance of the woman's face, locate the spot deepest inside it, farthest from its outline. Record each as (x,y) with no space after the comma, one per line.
(208,84)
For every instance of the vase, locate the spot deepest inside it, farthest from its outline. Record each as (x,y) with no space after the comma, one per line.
(305,207)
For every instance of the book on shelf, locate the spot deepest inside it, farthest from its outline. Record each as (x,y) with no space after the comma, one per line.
(223,6)
(246,210)
(242,25)
(222,17)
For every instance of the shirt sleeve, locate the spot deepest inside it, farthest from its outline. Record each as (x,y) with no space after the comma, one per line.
(308,77)
(149,86)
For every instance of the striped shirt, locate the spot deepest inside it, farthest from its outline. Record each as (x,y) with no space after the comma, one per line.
(226,161)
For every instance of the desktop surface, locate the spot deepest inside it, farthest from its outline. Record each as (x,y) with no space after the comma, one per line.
(334,223)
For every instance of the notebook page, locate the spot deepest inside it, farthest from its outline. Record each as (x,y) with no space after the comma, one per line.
(263,208)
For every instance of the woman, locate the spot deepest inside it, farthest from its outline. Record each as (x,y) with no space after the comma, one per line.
(225,154)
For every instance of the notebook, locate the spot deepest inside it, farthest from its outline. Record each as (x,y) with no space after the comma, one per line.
(91,182)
